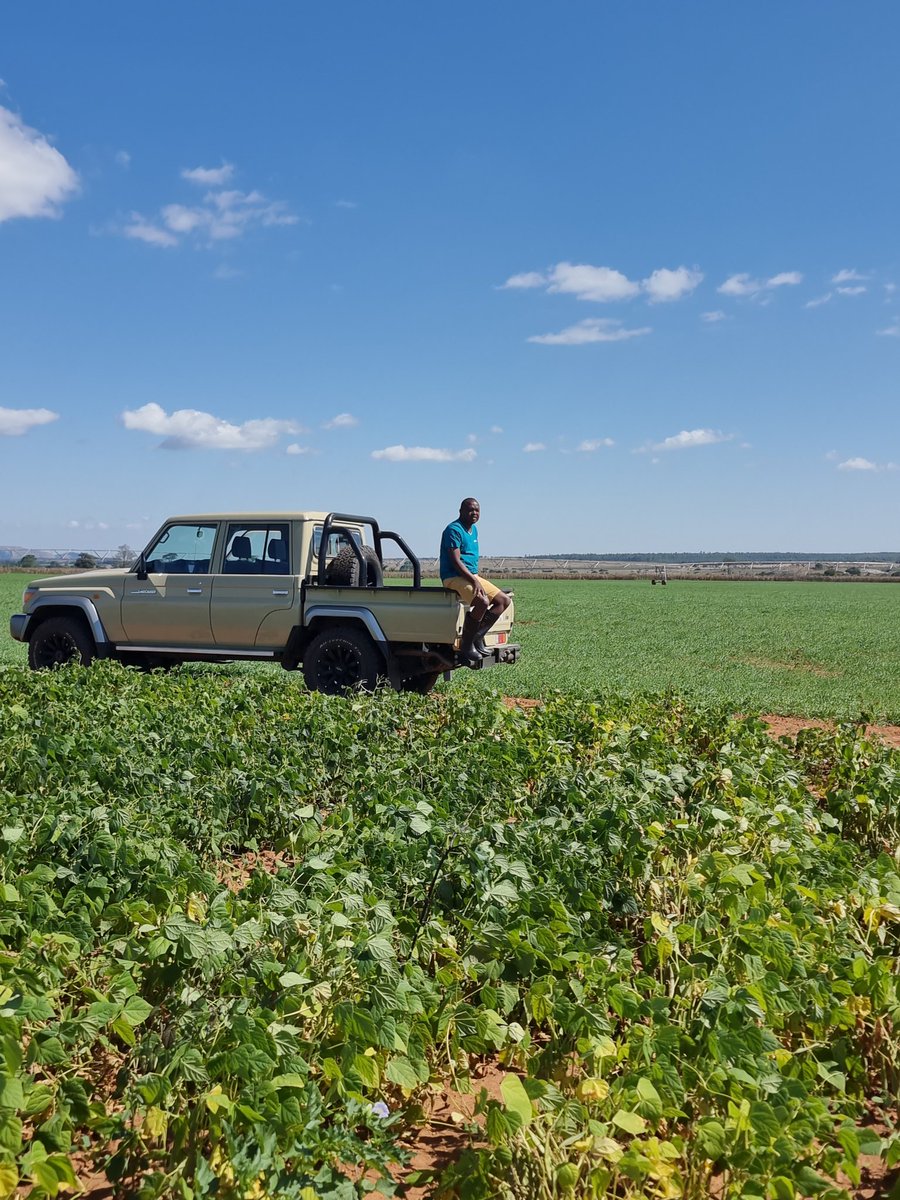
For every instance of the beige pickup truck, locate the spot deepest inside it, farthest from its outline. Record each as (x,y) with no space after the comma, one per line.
(302,589)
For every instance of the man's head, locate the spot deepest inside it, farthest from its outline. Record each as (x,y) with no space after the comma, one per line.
(469,511)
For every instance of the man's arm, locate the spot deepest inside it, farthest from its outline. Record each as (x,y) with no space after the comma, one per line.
(463,570)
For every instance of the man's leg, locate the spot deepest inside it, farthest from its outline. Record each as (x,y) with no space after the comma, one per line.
(497,604)
(478,607)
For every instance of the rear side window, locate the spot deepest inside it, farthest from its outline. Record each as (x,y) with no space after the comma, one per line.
(336,541)
(182,550)
(262,549)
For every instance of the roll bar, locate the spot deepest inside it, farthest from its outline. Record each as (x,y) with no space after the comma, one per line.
(334,523)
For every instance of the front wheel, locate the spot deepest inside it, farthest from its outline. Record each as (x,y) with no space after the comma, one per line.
(340,659)
(60,640)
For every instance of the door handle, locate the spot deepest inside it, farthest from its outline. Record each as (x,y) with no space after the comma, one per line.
(278,592)
(195,591)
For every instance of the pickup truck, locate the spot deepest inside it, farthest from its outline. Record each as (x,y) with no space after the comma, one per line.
(302,589)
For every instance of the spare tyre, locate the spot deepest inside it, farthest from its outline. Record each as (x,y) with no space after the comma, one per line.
(343,570)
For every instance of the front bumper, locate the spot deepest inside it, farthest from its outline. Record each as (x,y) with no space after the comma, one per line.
(18,626)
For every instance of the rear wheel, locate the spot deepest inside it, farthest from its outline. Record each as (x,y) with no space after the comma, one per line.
(340,659)
(420,684)
(60,640)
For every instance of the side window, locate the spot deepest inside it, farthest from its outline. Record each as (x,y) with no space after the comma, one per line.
(263,549)
(336,542)
(182,550)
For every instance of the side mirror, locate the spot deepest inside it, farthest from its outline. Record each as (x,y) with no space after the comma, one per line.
(142,567)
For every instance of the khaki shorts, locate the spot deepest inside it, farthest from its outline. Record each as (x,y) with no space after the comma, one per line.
(466,591)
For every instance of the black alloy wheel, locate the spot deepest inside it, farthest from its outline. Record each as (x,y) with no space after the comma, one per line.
(338,660)
(57,641)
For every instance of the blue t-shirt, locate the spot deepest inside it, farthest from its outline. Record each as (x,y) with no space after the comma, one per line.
(466,541)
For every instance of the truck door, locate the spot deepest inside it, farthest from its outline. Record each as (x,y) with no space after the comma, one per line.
(254,596)
(170,608)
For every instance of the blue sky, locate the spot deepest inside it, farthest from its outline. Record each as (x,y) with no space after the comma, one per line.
(627,273)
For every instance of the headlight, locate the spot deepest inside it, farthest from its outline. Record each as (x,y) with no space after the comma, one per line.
(28,595)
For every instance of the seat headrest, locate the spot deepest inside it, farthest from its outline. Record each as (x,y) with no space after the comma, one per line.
(240,547)
(277,550)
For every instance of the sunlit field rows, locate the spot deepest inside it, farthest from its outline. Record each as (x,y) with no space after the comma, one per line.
(812,649)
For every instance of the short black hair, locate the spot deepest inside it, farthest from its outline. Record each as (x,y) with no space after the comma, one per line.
(468,500)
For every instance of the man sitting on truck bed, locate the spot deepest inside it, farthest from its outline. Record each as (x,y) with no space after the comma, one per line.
(459,572)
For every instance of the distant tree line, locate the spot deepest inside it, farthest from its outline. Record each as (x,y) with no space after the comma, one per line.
(772,556)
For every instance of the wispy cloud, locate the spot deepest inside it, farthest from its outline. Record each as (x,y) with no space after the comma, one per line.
(343,420)
(296,449)
(688,438)
(423,454)
(122,158)
(221,215)
(527,279)
(496,429)
(594,329)
(224,271)
(189,429)
(712,317)
(35,179)
(855,290)
(208,176)
(345,204)
(818,301)
(665,285)
(866,464)
(533,447)
(744,285)
(849,275)
(590,445)
(890,330)
(16,421)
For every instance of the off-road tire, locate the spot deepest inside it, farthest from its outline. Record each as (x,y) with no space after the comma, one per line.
(343,570)
(60,640)
(342,659)
(420,684)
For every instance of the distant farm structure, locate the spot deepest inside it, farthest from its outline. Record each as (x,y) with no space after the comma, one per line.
(654,568)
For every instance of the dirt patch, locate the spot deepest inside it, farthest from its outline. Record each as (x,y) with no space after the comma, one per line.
(799,663)
(791,726)
(521,702)
(446,1130)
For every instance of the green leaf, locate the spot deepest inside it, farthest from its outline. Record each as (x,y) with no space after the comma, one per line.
(292,979)
(710,1136)
(136,1010)
(780,1188)
(366,1067)
(631,1122)
(401,1071)
(496,1123)
(649,1100)
(516,1099)
(290,1080)
(9,1180)
(11,1093)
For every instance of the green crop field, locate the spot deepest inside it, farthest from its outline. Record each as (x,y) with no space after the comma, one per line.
(811,649)
(247,934)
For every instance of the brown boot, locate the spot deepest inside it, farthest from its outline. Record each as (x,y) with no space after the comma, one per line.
(467,654)
(488,621)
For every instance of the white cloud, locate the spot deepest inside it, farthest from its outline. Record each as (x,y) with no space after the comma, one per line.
(345,204)
(890,288)
(220,216)
(122,158)
(601,284)
(691,437)
(209,176)
(817,301)
(224,271)
(341,421)
(16,421)
(35,178)
(527,279)
(188,429)
(665,285)
(891,330)
(423,454)
(295,448)
(744,285)
(472,438)
(848,275)
(144,231)
(591,444)
(594,329)
(533,447)
(496,429)
(857,290)
(712,317)
(857,464)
